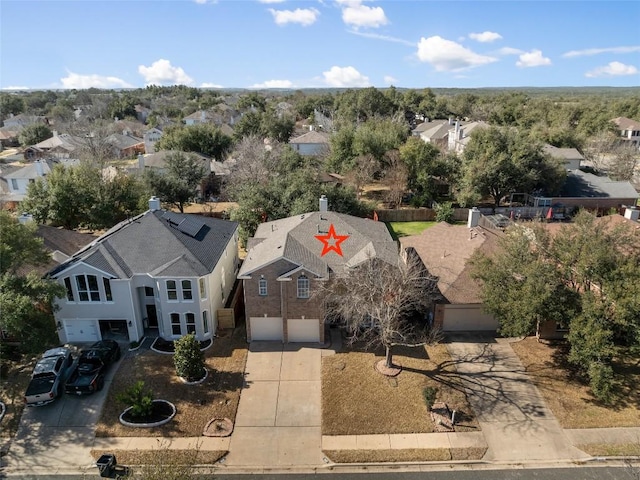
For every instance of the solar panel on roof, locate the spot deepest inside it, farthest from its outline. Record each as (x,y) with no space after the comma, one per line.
(190,226)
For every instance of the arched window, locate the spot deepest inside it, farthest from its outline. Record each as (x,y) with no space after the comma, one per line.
(303,286)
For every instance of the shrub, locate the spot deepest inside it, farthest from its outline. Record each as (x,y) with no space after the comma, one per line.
(429,394)
(444,212)
(188,358)
(601,381)
(139,398)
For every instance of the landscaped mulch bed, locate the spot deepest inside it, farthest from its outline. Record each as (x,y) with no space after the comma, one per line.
(217,396)
(569,398)
(357,400)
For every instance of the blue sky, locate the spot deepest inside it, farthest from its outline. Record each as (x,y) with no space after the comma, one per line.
(318,43)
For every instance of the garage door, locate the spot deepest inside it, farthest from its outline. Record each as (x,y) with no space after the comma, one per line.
(266,328)
(81,330)
(303,330)
(467,318)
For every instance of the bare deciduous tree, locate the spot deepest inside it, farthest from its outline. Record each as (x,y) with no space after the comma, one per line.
(253,162)
(385,304)
(395,177)
(362,172)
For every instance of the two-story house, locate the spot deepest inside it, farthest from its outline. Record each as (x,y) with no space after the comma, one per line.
(311,143)
(158,274)
(288,262)
(629,130)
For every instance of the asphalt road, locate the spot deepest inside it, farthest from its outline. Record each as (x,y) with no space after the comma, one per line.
(574,473)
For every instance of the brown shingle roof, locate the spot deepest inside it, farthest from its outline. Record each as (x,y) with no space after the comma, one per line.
(445,250)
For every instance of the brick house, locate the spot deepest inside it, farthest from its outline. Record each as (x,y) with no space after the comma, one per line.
(289,259)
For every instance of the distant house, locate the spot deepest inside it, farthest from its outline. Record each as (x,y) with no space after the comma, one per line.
(311,143)
(125,145)
(18,180)
(571,158)
(158,160)
(435,132)
(59,146)
(158,274)
(9,136)
(288,261)
(150,137)
(24,120)
(629,130)
(142,113)
(460,135)
(445,251)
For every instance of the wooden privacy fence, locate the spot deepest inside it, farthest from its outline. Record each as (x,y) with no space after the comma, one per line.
(418,215)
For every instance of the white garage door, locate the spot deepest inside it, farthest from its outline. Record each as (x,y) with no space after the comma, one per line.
(467,318)
(81,330)
(303,330)
(266,328)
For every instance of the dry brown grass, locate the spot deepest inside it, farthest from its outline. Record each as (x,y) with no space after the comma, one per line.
(165,455)
(569,398)
(16,374)
(357,400)
(611,449)
(217,396)
(407,455)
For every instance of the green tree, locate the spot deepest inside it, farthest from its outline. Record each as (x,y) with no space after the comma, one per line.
(139,398)
(11,103)
(421,159)
(179,184)
(34,133)
(202,138)
(188,358)
(498,161)
(26,302)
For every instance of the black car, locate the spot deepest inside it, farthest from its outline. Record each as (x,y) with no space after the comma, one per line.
(88,375)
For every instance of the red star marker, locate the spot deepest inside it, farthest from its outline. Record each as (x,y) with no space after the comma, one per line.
(331,241)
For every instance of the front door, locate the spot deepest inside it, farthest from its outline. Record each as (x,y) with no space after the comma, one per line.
(152,316)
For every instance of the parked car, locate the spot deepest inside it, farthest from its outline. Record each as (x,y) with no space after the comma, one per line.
(88,375)
(48,377)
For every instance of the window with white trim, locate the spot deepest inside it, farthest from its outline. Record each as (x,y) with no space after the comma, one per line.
(172,290)
(176,328)
(67,285)
(88,288)
(205,321)
(303,286)
(262,287)
(203,288)
(107,289)
(187,293)
(191,323)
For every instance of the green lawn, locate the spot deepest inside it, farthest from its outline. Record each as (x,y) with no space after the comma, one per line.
(404,229)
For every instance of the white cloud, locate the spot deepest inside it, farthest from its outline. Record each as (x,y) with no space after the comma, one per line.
(389,80)
(345,77)
(10,87)
(448,56)
(303,16)
(210,85)
(273,84)
(74,80)
(613,69)
(358,15)
(597,51)
(485,37)
(386,38)
(161,72)
(510,51)
(533,58)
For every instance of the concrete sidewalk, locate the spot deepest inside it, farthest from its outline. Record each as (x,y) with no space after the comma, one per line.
(515,421)
(611,436)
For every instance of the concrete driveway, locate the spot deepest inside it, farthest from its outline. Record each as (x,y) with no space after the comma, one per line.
(279,415)
(59,435)
(514,418)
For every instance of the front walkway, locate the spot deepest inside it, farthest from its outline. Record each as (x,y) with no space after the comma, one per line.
(515,421)
(279,416)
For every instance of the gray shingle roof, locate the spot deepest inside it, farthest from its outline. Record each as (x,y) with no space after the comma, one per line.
(151,244)
(582,184)
(294,239)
